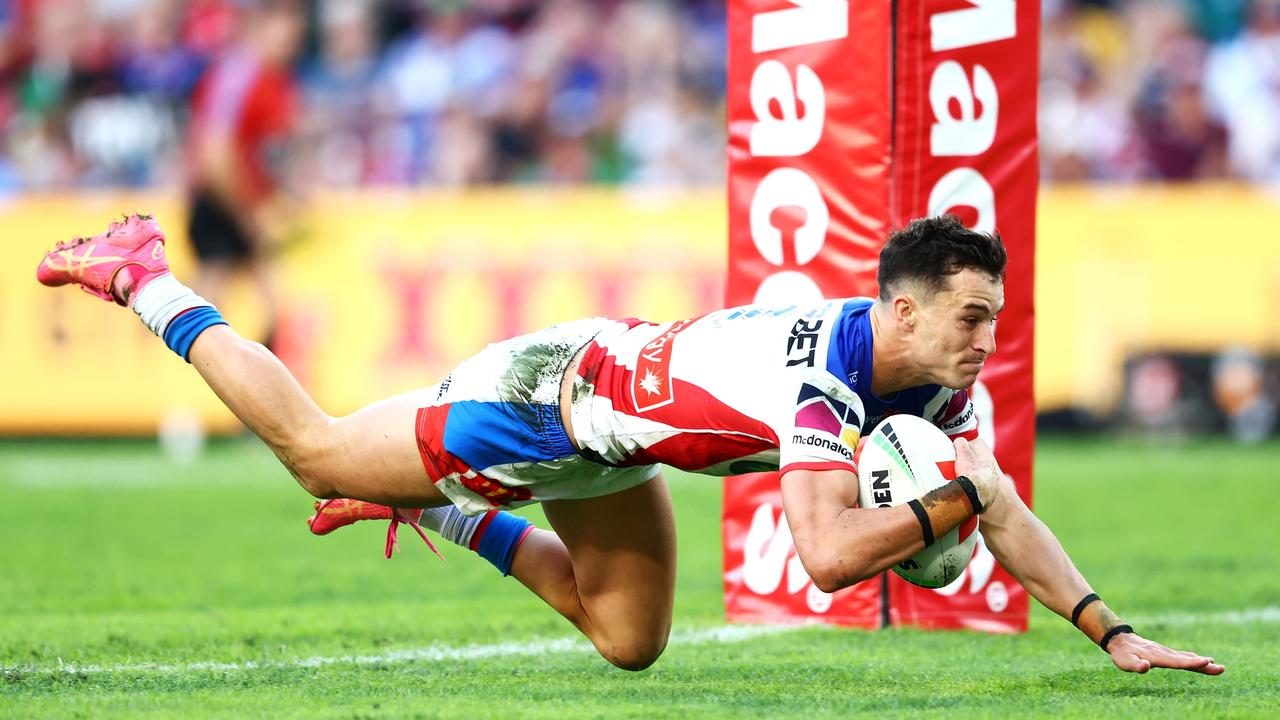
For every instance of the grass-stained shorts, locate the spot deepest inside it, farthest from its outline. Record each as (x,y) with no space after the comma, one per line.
(493,438)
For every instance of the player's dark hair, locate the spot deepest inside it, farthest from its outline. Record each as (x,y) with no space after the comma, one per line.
(930,250)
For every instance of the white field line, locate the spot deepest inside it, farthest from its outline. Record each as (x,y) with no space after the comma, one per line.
(432,653)
(722,634)
(1269,614)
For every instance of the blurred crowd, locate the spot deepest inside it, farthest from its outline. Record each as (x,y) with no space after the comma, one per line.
(393,92)
(1163,90)
(98,93)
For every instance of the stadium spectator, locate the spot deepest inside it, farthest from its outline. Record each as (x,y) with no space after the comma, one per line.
(342,113)
(244,117)
(1179,140)
(464,92)
(1242,87)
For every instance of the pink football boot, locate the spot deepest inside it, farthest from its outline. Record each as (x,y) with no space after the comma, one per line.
(134,246)
(341,512)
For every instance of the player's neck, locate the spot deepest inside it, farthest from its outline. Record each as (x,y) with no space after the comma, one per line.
(891,366)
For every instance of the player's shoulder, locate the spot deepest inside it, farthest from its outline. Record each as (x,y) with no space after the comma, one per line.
(856,306)
(815,316)
(754,311)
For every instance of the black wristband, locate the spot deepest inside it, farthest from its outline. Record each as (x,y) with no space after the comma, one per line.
(1080,606)
(1106,639)
(926,527)
(971,492)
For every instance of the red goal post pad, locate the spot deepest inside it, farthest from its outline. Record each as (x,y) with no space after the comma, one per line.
(847,120)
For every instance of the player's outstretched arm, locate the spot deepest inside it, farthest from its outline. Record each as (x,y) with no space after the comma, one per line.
(1027,548)
(840,544)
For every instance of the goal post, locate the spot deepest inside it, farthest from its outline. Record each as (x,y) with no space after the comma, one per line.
(846,121)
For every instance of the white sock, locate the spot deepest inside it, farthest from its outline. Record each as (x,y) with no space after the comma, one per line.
(162,300)
(452,524)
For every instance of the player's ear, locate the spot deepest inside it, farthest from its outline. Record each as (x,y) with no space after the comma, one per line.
(905,311)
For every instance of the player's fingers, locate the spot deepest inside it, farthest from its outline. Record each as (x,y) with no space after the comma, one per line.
(970,454)
(1158,650)
(1161,656)
(980,448)
(1177,662)
(1129,662)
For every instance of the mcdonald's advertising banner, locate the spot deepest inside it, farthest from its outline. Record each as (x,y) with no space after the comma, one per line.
(846,121)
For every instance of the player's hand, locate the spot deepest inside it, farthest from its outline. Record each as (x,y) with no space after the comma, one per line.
(1133,653)
(975,461)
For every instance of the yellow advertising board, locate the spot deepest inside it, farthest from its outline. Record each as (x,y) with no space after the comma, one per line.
(1122,270)
(387,291)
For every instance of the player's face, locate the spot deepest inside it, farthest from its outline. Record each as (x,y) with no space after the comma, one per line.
(956,328)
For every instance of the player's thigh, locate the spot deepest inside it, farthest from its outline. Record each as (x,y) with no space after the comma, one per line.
(623,550)
(372,454)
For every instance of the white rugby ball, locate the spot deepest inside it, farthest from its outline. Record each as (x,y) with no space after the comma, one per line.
(903,458)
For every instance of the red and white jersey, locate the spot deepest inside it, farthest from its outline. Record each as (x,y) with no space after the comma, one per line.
(744,389)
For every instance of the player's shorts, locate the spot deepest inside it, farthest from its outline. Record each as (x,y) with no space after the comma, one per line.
(215,235)
(492,437)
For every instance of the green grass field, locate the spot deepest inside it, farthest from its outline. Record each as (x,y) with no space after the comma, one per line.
(130,587)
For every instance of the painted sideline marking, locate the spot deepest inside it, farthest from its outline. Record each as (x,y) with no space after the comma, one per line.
(431,653)
(722,634)
(1269,614)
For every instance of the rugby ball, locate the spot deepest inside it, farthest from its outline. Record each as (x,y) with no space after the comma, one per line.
(903,458)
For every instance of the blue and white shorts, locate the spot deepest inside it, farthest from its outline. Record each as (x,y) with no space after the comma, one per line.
(493,437)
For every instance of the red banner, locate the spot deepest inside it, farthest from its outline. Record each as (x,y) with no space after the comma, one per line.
(846,121)
(809,132)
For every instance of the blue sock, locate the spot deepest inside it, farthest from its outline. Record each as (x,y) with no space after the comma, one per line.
(498,541)
(184,329)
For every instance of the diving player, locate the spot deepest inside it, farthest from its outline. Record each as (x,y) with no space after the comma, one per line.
(578,416)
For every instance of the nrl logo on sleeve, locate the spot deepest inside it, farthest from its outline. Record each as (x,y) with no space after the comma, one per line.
(651,382)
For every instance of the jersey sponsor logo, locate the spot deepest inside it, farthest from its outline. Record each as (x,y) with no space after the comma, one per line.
(651,382)
(802,343)
(825,443)
(951,404)
(961,421)
(850,436)
(816,411)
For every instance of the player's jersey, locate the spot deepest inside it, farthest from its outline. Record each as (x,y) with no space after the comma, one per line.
(745,389)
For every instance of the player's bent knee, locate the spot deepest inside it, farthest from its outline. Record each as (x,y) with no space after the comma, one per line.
(314,483)
(309,459)
(311,475)
(634,657)
(636,652)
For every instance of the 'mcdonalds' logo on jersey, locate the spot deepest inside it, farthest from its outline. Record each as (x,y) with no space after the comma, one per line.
(651,383)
